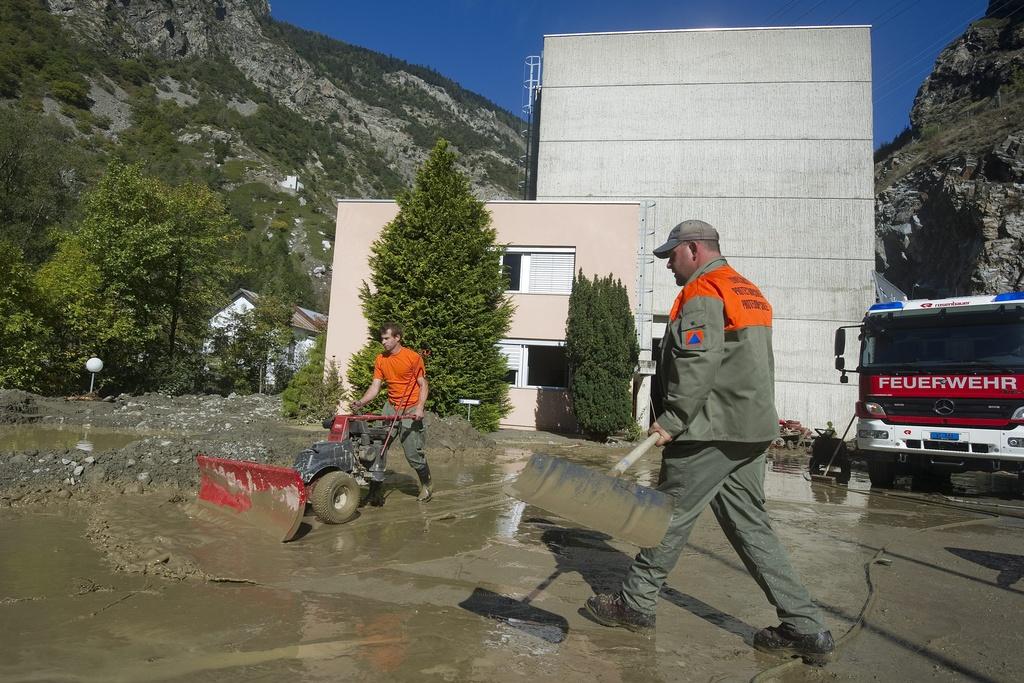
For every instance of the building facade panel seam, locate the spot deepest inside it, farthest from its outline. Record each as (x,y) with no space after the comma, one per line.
(728,196)
(722,29)
(657,84)
(707,139)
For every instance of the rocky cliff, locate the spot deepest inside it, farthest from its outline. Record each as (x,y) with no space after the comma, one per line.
(949,210)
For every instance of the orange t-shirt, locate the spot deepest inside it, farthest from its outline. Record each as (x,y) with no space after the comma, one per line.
(400,371)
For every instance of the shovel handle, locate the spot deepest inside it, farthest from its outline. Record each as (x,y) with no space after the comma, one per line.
(634,455)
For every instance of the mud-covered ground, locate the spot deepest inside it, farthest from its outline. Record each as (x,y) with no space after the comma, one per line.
(171,431)
(98,585)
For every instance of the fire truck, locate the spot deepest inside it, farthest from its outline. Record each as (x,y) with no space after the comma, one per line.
(941,386)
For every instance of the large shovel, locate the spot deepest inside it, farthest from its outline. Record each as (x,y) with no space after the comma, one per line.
(268,497)
(603,502)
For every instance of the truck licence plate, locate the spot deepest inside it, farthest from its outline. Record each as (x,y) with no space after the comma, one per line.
(945,436)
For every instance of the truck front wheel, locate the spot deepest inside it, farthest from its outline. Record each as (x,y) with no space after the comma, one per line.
(882,473)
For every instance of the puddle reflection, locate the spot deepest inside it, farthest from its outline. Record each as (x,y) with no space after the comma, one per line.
(785,479)
(85,439)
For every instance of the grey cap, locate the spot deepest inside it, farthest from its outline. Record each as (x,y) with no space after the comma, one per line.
(687,231)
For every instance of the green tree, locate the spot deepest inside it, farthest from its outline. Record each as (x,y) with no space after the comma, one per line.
(314,392)
(137,282)
(36,50)
(86,323)
(73,92)
(602,351)
(437,270)
(270,266)
(360,374)
(37,187)
(25,336)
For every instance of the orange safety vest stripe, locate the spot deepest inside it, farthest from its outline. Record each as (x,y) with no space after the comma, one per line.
(742,301)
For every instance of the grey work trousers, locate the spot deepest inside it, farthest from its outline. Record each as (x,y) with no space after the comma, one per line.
(729,476)
(410,433)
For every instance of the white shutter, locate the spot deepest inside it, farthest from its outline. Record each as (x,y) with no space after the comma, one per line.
(551,273)
(513,355)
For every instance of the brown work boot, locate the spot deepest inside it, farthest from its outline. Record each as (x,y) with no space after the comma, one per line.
(813,648)
(610,610)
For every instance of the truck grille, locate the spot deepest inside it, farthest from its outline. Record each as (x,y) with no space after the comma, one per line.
(955,446)
(963,408)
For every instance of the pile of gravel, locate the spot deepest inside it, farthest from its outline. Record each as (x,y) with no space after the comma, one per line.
(153,411)
(454,434)
(17,407)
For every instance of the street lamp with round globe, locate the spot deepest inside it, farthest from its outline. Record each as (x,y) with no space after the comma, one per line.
(93,365)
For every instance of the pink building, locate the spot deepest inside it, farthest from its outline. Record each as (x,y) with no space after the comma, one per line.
(548,242)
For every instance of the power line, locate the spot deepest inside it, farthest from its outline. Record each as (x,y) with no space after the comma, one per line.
(892,8)
(841,12)
(813,7)
(929,49)
(902,11)
(895,82)
(783,9)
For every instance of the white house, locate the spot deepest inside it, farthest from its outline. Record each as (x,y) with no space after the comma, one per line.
(291,182)
(305,325)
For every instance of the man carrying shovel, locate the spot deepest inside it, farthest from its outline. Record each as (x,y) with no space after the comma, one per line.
(716,373)
(403,370)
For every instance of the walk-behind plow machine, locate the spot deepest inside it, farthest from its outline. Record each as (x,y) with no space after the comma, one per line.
(327,475)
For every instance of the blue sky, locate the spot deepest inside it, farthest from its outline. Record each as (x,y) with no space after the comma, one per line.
(482,44)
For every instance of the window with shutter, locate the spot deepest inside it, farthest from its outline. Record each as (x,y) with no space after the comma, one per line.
(540,270)
(551,273)
(514,357)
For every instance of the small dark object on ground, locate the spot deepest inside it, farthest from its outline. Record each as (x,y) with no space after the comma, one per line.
(827,453)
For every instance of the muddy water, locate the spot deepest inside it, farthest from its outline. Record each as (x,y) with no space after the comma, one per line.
(403,592)
(85,439)
(472,586)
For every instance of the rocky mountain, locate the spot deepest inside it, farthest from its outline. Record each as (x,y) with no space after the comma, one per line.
(280,120)
(319,79)
(949,209)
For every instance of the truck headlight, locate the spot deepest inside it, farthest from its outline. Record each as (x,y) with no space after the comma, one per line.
(869,409)
(1015,442)
(872,434)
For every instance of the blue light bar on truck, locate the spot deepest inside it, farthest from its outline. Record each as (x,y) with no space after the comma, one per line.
(887,306)
(1009,296)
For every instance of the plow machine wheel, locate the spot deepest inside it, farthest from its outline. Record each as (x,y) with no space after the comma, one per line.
(335,497)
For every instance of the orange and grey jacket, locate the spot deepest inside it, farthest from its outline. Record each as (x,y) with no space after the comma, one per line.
(716,370)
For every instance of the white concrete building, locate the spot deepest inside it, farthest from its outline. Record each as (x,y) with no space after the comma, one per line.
(291,182)
(764,133)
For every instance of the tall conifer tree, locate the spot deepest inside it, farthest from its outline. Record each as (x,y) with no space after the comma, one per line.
(436,270)
(602,352)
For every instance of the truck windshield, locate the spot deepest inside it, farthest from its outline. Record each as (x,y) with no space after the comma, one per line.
(931,342)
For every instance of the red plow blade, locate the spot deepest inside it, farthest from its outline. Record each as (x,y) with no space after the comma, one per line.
(266,496)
